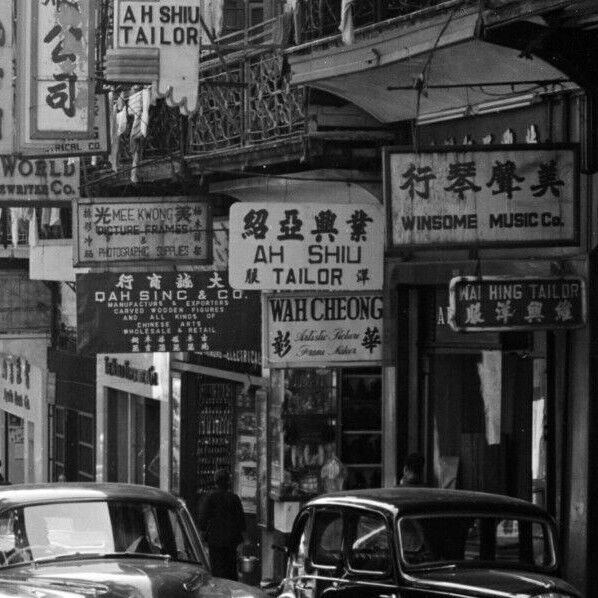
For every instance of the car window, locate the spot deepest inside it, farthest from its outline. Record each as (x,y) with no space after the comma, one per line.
(368,543)
(462,539)
(327,538)
(94,527)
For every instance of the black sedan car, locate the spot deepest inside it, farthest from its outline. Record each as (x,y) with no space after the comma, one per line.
(422,543)
(109,540)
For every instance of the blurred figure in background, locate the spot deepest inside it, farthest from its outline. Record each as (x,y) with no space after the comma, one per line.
(222,521)
(413,471)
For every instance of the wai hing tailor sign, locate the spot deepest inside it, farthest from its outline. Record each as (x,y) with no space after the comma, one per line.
(483,195)
(329,328)
(306,246)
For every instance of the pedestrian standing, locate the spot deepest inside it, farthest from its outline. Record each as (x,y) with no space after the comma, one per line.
(413,471)
(222,521)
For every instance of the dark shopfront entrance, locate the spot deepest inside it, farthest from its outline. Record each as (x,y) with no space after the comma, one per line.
(486,409)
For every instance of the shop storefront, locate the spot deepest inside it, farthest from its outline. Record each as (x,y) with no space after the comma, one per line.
(486,318)
(24,411)
(72,417)
(133,419)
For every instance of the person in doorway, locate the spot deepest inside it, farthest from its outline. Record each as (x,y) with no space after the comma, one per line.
(413,471)
(222,521)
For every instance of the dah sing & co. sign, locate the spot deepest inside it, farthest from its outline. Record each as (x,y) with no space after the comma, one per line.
(483,195)
(306,246)
(161,312)
(303,330)
(495,303)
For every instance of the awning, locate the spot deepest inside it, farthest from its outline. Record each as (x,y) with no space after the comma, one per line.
(441,43)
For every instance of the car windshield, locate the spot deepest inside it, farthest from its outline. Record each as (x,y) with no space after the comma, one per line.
(55,530)
(470,540)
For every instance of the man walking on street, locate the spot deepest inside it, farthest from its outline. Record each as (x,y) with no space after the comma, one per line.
(222,521)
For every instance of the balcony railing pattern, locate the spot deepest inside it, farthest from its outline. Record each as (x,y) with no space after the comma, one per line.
(245,97)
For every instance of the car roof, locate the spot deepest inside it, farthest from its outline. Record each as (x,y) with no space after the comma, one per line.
(19,494)
(411,500)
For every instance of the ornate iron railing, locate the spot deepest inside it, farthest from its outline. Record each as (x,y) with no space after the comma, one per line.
(245,97)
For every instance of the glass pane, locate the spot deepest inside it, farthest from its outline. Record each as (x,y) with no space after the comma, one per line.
(86,465)
(369,549)
(509,542)
(362,399)
(328,538)
(362,448)
(86,428)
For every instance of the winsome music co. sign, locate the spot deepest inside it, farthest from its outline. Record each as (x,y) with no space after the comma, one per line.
(483,195)
(495,303)
(306,246)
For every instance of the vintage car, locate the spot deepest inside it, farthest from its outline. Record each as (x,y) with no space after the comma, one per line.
(424,543)
(110,540)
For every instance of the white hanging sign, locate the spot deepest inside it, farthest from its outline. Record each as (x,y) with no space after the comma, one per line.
(306,246)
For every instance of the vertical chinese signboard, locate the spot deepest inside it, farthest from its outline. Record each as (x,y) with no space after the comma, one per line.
(306,246)
(501,304)
(56,63)
(483,195)
(6,83)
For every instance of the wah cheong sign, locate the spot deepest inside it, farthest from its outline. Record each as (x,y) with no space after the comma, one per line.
(501,304)
(483,195)
(148,229)
(160,312)
(306,246)
(325,329)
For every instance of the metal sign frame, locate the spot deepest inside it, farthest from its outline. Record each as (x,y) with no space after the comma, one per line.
(79,261)
(548,326)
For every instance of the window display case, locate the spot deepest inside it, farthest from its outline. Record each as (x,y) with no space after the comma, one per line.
(325,431)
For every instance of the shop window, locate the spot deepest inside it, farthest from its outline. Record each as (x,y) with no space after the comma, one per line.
(133,439)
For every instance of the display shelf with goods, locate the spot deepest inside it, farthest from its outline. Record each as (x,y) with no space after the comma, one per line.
(246,450)
(215,448)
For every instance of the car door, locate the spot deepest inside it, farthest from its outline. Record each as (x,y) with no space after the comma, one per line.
(297,581)
(368,557)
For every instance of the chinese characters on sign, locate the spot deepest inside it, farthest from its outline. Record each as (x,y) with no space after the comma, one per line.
(57,58)
(150,229)
(145,312)
(325,329)
(501,304)
(6,84)
(283,246)
(487,195)
(16,381)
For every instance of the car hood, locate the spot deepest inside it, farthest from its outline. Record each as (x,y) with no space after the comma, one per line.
(504,582)
(131,578)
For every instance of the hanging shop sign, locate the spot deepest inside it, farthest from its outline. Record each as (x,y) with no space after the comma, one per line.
(483,195)
(304,330)
(159,41)
(97,143)
(148,229)
(6,83)
(56,57)
(44,179)
(145,312)
(501,304)
(309,246)
(143,374)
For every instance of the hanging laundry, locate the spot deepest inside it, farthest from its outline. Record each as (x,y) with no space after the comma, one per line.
(33,231)
(346,24)
(212,12)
